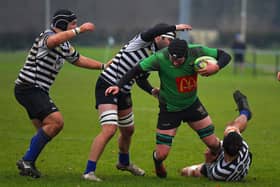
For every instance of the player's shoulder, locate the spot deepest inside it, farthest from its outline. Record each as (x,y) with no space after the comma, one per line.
(136,43)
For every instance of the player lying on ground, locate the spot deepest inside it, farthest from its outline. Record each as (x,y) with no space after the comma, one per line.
(233,162)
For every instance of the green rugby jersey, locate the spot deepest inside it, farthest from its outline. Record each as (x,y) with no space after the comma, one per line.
(178,85)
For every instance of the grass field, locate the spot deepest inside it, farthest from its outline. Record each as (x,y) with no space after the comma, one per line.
(63,160)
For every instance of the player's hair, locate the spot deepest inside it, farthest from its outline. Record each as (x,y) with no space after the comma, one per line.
(61,18)
(178,48)
(232,143)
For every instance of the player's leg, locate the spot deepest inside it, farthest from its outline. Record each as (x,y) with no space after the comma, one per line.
(51,126)
(239,124)
(47,120)
(126,126)
(166,130)
(164,140)
(205,130)
(108,119)
(199,120)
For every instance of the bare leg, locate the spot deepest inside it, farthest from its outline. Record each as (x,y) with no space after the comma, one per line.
(107,132)
(125,133)
(211,141)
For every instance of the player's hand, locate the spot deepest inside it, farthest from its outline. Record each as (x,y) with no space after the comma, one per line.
(183,27)
(112,90)
(209,156)
(87,27)
(278,76)
(108,63)
(155,92)
(210,69)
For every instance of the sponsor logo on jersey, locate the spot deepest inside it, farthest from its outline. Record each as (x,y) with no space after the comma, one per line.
(186,83)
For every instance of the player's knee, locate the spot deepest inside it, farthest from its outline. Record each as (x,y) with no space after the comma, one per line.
(213,143)
(108,131)
(164,142)
(162,154)
(127,132)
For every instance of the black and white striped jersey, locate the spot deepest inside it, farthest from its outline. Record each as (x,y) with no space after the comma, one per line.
(233,171)
(132,53)
(43,64)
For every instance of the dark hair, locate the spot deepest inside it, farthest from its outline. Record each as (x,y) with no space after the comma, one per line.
(232,143)
(178,48)
(61,18)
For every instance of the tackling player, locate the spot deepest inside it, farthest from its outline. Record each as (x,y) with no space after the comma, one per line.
(115,111)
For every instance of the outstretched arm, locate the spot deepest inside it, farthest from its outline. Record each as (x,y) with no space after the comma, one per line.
(160,29)
(60,37)
(89,63)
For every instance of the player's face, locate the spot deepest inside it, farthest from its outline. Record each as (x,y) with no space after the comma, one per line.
(162,42)
(177,62)
(72,25)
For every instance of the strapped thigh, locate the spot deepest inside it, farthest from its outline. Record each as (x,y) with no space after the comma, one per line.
(206,131)
(109,117)
(126,120)
(164,139)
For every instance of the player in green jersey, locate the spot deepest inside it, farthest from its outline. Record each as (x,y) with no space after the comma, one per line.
(178,100)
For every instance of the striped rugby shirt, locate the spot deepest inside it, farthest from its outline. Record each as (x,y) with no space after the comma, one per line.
(133,52)
(43,64)
(140,47)
(233,171)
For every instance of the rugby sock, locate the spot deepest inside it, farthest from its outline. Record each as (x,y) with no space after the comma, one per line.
(91,166)
(246,113)
(124,158)
(37,144)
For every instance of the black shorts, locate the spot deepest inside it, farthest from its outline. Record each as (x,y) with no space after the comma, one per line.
(36,101)
(122,100)
(170,120)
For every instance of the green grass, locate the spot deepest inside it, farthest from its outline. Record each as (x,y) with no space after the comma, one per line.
(63,160)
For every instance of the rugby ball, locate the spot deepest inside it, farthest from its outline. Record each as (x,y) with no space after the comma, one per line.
(201,62)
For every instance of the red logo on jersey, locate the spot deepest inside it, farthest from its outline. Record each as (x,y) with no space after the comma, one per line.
(186,83)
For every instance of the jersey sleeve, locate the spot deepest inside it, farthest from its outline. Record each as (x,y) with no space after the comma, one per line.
(213,52)
(42,44)
(136,43)
(151,63)
(157,30)
(71,55)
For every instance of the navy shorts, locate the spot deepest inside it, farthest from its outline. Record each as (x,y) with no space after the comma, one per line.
(36,101)
(170,120)
(122,100)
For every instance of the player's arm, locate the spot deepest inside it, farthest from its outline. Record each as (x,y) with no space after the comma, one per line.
(223,58)
(124,80)
(146,65)
(160,29)
(61,37)
(89,63)
(144,84)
